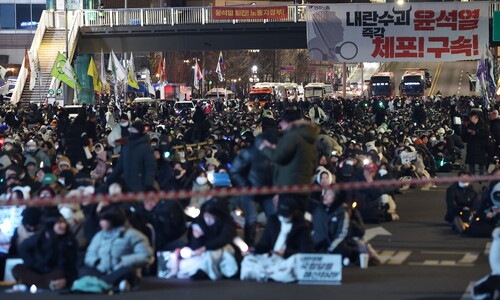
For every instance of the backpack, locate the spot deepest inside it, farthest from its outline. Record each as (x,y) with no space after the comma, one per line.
(91,284)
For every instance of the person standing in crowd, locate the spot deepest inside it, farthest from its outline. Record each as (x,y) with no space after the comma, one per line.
(475,134)
(137,164)
(295,156)
(252,169)
(317,114)
(495,134)
(118,135)
(49,256)
(117,252)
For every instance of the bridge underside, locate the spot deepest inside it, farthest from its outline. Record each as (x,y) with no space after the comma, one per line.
(193,37)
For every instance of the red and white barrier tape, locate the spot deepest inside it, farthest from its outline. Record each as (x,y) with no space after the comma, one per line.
(230,192)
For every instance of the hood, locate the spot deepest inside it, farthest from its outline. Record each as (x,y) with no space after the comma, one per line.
(5,161)
(30,160)
(307,130)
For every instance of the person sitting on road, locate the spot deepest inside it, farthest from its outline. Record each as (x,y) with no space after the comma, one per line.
(210,252)
(461,198)
(49,256)
(117,253)
(287,233)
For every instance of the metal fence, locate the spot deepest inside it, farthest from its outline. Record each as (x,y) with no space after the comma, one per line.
(174,16)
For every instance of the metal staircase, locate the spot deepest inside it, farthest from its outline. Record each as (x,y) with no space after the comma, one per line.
(54,40)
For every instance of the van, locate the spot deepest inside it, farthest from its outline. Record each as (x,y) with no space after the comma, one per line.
(183,105)
(73,110)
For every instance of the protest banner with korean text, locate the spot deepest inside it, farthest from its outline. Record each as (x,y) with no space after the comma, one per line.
(444,31)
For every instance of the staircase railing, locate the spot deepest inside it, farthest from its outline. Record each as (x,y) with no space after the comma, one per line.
(23,72)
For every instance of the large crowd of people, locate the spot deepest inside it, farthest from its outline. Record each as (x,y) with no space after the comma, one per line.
(109,149)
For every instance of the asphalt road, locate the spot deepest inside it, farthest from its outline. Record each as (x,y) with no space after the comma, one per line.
(422,259)
(450,78)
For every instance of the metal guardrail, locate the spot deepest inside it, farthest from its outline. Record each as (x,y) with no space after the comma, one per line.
(175,16)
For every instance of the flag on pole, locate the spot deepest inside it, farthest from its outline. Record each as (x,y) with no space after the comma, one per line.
(151,89)
(489,76)
(197,75)
(164,70)
(160,71)
(63,71)
(3,71)
(103,70)
(117,69)
(33,71)
(92,72)
(132,80)
(220,63)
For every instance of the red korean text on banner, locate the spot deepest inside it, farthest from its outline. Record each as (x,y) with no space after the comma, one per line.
(250,13)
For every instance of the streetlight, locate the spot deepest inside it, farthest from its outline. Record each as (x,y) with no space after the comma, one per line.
(400,2)
(254,69)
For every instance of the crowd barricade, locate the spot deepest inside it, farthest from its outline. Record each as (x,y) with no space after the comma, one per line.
(235,192)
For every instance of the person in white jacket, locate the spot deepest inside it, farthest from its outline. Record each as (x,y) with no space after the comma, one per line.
(119,132)
(488,287)
(317,114)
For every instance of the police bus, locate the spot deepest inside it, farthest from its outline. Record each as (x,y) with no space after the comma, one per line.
(382,84)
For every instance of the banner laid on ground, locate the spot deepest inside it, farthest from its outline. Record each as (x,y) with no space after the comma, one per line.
(444,31)
(247,13)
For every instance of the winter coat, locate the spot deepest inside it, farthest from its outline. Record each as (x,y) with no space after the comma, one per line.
(477,145)
(251,168)
(168,220)
(457,198)
(76,139)
(216,236)
(330,226)
(119,247)
(46,252)
(295,156)
(326,144)
(40,156)
(136,165)
(199,200)
(494,256)
(298,240)
(495,131)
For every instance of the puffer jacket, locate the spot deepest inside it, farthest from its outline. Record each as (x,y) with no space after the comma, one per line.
(136,165)
(295,156)
(251,168)
(119,247)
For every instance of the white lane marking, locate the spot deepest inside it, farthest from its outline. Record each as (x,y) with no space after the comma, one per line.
(467,259)
(393,257)
(468,292)
(373,232)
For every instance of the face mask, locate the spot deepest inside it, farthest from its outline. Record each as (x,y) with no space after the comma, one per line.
(123,124)
(177,172)
(463,184)
(382,172)
(433,139)
(79,167)
(8,147)
(209,220)
(154,145)
(201,180)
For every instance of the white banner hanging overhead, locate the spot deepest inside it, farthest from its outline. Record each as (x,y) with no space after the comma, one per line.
(444,31)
